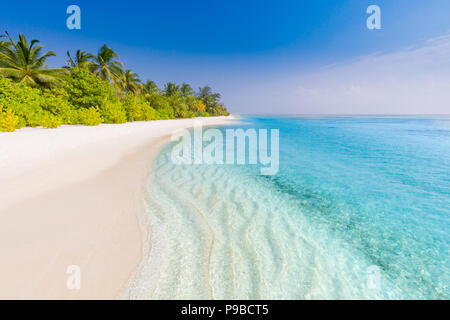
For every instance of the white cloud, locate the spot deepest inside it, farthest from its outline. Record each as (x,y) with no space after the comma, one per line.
(411,81)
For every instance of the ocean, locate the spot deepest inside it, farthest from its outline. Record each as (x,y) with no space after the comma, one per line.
(359,209)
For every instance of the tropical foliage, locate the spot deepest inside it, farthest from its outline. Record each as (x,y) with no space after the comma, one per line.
(90,90)
(130,81)
(81,60)
(149,87)
(24,62)
(107,65)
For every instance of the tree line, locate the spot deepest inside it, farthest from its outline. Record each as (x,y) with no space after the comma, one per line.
(89,90)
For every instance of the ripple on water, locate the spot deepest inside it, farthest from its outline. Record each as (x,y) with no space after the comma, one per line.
(314,231)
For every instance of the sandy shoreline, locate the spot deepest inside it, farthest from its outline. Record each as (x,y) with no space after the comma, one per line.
(74,196)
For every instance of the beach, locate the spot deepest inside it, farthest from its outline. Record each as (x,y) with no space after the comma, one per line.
(111,203)
(74,196)
(356,211)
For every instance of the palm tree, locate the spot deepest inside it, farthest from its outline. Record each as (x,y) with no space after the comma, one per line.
(149,87)
(24,62)
(206,92)
(107,66)
(82,60)
(171,89)
(130,81)
(186,89)
(3,44)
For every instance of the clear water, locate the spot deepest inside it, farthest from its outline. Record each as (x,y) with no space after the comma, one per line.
(360,209)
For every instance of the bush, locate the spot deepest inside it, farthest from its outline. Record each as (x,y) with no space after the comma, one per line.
(73,103)
(89,117)
(50,121)
(158,102)
(22,100)
(36,119)
(133,108)
(149,113)
(8,120)
(85,90)
(70,116)
(113,113)
(56,101)
(166,113)
(199,106)
(138,109)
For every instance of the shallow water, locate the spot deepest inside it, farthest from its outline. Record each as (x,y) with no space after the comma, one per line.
(359,209)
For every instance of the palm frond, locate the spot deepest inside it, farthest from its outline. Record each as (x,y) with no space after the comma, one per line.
(23,61)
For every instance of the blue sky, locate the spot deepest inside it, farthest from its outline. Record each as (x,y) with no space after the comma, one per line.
(258,54)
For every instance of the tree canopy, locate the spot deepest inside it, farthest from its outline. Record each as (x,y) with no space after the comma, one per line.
(25,62)
(90,89)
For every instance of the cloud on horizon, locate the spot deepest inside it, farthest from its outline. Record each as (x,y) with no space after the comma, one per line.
(411,81)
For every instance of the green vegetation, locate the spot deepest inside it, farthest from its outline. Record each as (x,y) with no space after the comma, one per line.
(24,62)
(90,90)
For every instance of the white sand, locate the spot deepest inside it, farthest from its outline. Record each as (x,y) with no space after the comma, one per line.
(74,196)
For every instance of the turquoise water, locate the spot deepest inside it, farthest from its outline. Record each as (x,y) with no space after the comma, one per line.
(360,209)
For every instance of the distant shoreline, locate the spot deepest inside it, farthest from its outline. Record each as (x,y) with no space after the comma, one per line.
(74,196)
